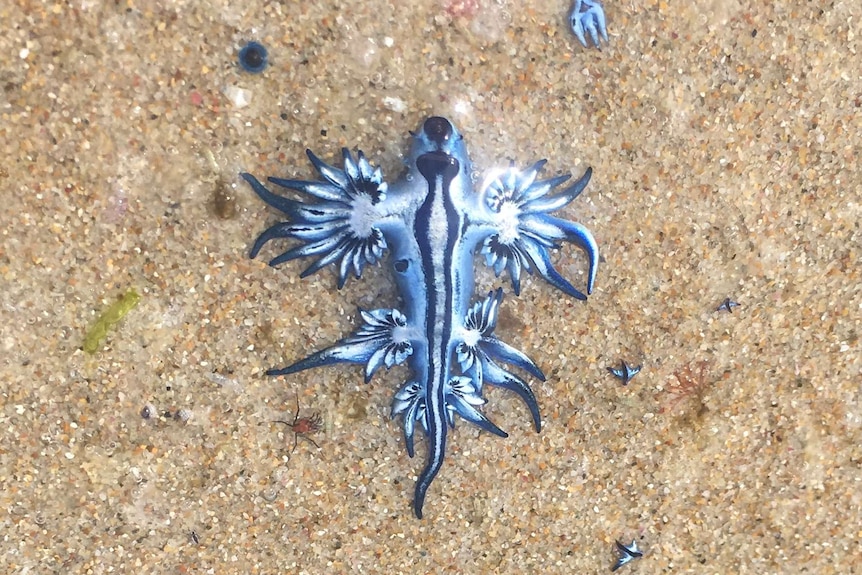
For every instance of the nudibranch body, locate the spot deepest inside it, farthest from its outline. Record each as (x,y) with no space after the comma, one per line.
(433,222)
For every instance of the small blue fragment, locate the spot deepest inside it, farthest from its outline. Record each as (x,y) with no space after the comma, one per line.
(253,57)
(728,304)
(587,20)
(625,373)
(627,553)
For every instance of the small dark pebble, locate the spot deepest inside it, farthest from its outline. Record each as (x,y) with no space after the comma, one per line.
(183,415)
(253,57)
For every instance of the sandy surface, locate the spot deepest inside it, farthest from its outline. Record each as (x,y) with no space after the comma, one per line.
(725,145)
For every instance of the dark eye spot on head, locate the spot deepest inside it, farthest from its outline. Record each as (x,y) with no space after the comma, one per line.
(438,129)
(401,266)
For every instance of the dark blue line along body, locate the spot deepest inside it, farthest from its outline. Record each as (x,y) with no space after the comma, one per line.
(436,234)
(432,221)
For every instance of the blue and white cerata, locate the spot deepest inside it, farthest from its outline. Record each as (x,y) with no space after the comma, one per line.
(432,221)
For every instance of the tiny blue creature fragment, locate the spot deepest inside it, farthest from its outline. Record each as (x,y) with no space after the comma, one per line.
(627,554)
(587,16)
(625,373)
(728,304)
(253,57)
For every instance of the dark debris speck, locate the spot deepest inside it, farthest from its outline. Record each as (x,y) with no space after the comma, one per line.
(223,201)
(253,57)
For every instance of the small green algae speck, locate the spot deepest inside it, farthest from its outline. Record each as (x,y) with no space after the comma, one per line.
(108,319)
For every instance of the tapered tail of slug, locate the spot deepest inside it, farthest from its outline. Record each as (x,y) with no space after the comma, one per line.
(436,453)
